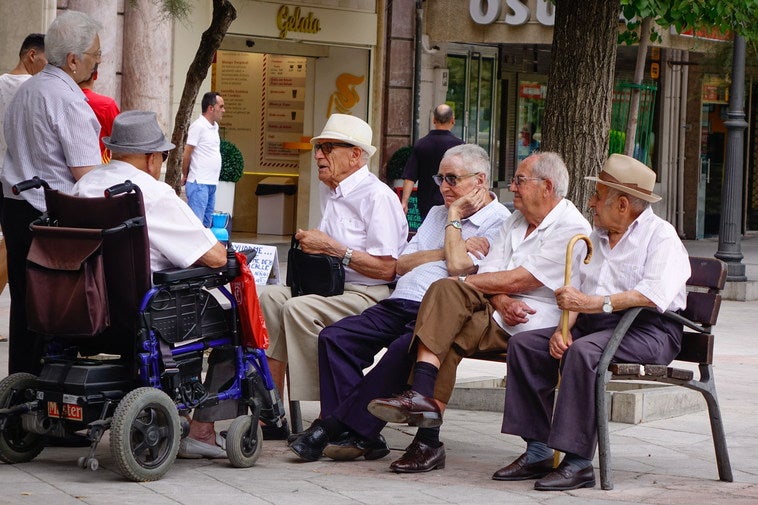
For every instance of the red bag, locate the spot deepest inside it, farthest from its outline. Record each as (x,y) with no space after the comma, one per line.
(253,326)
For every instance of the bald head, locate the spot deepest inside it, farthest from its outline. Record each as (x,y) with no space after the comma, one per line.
(444,118)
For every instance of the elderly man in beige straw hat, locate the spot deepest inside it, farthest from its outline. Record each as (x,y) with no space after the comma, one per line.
(639,261)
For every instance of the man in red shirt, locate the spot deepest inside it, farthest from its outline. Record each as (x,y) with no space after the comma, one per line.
(105,108)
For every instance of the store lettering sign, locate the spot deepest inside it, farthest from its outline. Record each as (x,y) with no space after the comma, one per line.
(296,22)
(486,12)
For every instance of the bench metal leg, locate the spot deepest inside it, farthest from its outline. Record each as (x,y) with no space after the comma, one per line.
(707,387)
(603,435)
(296,418)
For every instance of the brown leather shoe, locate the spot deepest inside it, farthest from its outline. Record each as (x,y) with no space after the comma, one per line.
(409,407)
(420,457)
(565,478)
(521,470)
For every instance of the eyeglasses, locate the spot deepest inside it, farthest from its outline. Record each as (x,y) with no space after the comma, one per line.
(328,147)
(451,179)
(97,54)
(164,155)
(518,181)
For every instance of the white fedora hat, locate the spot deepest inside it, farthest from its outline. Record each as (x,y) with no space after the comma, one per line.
(349,129)
(629,176)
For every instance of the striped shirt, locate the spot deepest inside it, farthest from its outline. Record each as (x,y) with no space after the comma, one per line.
(48,128)
(431,235)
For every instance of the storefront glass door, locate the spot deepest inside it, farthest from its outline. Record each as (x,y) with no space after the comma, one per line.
(471,92)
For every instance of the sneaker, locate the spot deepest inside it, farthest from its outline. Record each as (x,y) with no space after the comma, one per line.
(189,448)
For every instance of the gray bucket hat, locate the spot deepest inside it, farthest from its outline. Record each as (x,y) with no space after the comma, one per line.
(137,131)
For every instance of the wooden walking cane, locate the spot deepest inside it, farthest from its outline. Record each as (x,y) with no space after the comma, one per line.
(565,313)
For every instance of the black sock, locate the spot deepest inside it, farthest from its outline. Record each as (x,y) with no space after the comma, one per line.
(333,427)
(429,436)
(424,377)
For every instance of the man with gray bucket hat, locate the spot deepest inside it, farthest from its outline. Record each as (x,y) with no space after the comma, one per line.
(138,146)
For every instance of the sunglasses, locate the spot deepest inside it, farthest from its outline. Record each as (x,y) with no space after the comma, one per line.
(328,147)
(451,179)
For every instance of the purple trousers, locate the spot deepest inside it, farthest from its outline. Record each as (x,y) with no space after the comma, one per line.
(533,374)
(348,346)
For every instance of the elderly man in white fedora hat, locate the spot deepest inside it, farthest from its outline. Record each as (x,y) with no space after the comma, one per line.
(363,223)
(138,147)
(639,261)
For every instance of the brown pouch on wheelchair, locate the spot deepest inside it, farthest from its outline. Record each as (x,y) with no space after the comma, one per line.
(66,293)
(314,274)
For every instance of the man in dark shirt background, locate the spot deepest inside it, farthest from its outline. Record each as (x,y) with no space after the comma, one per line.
(425,161)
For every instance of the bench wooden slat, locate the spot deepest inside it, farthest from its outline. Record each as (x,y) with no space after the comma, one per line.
(696,348)
(702,308)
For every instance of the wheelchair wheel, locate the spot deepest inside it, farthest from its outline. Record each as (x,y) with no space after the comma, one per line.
(145,434)
(16,444)
(242,449)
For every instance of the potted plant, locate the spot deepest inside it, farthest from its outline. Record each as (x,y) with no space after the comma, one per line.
(396,164)
(232,166)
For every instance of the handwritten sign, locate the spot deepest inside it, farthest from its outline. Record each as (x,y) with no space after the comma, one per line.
(265,265)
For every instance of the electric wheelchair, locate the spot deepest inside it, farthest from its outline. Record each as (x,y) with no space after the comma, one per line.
(123,353)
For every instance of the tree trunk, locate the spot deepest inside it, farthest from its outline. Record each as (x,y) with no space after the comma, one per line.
(577,114)
(223,15)
(639,73)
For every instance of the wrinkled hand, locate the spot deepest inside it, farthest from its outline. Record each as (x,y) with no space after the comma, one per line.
(570,298)
(557,346)
(470,203)
(478,246)
(316,242)
(405,207)
(512,311)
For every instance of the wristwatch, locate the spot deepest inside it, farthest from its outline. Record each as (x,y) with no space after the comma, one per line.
(455,224)
(462,277)
(347,257)
(607,306)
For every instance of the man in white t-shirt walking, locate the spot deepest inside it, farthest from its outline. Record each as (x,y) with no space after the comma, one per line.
(201,164)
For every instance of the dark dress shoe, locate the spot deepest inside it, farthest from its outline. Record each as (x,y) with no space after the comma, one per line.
(521,470)
(420,457)
(309,444)
(565,478)
(272,432)
(352,446)
(409,407)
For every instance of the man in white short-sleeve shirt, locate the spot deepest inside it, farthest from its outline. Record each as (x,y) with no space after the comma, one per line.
(201,162)
(138,146)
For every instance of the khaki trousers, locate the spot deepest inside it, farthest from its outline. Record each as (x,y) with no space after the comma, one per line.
(455,321)
(294,324)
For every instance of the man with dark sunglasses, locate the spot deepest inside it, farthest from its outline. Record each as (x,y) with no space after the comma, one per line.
(511,292)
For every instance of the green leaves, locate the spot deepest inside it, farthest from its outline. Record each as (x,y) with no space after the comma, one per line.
(232,163)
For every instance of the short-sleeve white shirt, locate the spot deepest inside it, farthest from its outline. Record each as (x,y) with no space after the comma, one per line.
(49,127)
(9,84)
(364,214)
(649,258)
(177,237)
(543,254)
(205,162)
(431,235)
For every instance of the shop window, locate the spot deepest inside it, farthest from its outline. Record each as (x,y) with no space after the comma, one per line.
(645,137)
(531,106)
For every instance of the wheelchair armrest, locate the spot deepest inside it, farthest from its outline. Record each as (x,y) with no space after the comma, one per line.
(171,275)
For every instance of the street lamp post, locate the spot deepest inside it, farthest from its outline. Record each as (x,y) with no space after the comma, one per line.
(730,224)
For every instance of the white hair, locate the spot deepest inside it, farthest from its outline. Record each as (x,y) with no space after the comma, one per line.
(70,33)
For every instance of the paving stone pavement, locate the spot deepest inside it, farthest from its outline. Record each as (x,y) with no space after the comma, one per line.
(662,462)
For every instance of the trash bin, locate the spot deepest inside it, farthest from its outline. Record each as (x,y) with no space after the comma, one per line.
(276,205)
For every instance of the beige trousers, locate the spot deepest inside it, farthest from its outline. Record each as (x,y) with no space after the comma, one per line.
(294,324)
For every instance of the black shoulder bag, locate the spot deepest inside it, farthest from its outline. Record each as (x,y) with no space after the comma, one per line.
(314,274)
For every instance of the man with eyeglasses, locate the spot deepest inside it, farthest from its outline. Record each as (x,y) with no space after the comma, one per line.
(201,161)
(452,240)
(363,223)
(511,292)
(425,160)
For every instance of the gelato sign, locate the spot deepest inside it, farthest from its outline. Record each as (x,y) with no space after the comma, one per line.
(517,12)
(295,21)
